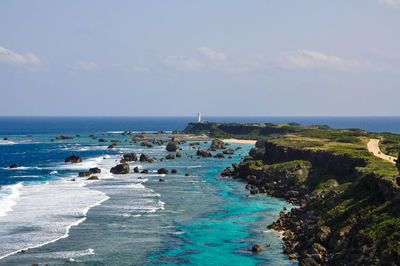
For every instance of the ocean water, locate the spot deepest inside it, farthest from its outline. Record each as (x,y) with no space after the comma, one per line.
(202,219)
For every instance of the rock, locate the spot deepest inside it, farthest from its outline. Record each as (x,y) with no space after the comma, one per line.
(187,174)
(136,169)
(172,146)
(77,135)
(73,159)
(112,146)
(120,169)
(5,138)
(170,156)
(102,140)
(203,153)
(179,154)
(217,144)
(93,178)
(84,174)
(161,180)
(292,256)
(130,157)
(308,262)
(229,151)
(13,166)
(256,248)
(227,172)
(145,158)
(194,143)
(174,171)
(73,179)
(162,171)
(145,171)
(95,170)
(284,208)
(64,137)
(219,155)
(398,162)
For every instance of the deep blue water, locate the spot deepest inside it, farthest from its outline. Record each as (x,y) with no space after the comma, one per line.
(42,125)
(123,220)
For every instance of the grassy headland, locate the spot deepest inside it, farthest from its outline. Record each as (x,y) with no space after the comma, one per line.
(349,198)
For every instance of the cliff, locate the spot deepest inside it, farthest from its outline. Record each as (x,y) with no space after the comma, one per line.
(348,214)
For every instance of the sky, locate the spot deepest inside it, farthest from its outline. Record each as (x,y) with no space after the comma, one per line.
(222,58)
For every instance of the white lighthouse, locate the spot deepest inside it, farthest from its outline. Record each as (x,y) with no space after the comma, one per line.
(198,117)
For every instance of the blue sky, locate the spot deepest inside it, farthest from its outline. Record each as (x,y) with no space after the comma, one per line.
(135,58)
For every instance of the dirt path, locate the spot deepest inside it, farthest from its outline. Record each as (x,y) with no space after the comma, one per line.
(373,146)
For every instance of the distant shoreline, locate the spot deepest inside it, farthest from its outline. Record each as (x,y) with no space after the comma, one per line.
(243,141)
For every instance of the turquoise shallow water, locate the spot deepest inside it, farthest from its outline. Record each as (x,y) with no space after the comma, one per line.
(202,219)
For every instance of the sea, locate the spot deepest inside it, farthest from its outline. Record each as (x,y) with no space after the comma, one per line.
(133,219)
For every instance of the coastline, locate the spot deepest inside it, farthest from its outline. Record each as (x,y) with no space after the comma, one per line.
(241,141)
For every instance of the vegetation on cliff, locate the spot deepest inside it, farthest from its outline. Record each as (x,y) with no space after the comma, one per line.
(349,199)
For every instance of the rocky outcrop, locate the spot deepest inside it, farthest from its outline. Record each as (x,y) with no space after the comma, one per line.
(85,173)
(217,144)
(73,159)
(179,154)
(170,156)
(136,169)
(337,164)
(219,155)
(93,178)
(172,146)
(13,166)
(229,151)
(95,170)
(62,137)
(120,169)
(398,162)
(203,153)
(102,140)
(145,158)
(162,171)
(130,157)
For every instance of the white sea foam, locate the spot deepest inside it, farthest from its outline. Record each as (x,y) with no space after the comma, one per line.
(23,168)
(45,214)
(7,142)
(8,197)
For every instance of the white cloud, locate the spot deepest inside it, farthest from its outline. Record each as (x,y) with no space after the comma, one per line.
(142,69)
(83,65)
(314,59)
(10,57)
(87,65)
(183,63)
(391,3)
(211,54)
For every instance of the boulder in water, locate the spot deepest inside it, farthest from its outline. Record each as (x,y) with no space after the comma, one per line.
(217,144)
(162,171)
(256,248)
(84,174)
(170,156)
(13,166)
(93,178)
(136,169)
(229,151)
(203,153)
(120,169)
(73,159)
(172,146)
(95,170)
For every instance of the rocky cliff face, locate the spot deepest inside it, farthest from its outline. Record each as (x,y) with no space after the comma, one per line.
(335,164)
(351,222)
